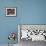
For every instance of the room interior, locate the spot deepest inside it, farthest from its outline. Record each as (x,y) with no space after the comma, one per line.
(16,12)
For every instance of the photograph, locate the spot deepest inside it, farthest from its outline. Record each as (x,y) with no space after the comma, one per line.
(10,11)
(29,34)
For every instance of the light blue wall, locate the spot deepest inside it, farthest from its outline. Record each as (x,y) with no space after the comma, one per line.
(28,12)
(33,12)
(8,24)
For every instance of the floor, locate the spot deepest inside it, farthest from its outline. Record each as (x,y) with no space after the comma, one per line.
(7,45)
(30,43)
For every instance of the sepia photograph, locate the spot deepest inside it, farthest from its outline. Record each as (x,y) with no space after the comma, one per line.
(10,11)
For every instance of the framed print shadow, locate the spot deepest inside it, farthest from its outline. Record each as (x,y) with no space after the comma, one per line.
(10,11)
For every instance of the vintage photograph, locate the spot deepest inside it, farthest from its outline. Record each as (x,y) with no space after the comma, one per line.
(10,11)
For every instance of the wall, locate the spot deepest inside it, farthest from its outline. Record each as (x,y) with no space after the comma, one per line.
(8,24)
(33,12)
(28,12)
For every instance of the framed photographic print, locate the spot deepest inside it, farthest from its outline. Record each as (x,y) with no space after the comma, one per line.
(10,11)
(33,32)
